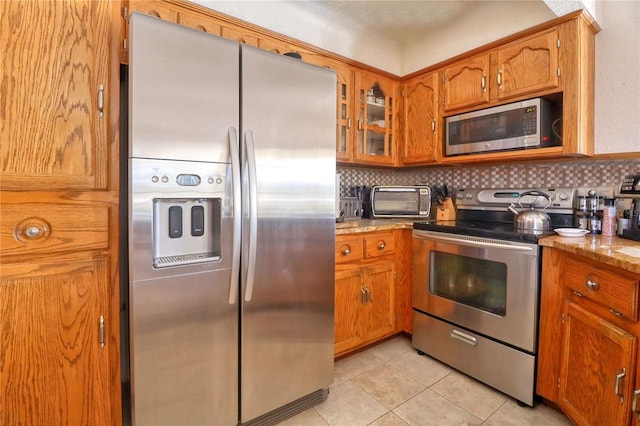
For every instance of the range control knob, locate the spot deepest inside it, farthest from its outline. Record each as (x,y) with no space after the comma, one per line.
(468,196)
(563,196)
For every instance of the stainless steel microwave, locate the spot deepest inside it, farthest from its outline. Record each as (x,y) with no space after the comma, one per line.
(401,201)
(532,123)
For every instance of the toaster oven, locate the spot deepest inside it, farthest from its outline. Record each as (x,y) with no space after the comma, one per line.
(401,201)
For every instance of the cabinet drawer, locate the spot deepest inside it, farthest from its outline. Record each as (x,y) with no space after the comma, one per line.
(36,229)
(349,249)
(379,244)
(614,291)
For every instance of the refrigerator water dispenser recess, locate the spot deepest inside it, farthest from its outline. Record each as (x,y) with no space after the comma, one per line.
(186,231)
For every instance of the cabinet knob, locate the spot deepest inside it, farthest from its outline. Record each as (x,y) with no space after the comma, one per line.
(592,284)
(32,232)
(381,245)
(346,251)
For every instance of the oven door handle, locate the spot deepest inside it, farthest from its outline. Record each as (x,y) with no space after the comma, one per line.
(473,241)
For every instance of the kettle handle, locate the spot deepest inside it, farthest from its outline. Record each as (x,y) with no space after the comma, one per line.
(538,194)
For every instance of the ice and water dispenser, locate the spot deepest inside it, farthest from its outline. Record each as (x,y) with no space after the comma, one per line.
(186,230)
(179,211)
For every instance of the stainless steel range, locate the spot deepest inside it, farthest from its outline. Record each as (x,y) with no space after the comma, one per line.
(476,285)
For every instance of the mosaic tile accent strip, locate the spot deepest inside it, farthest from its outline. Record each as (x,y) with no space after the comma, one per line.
(578,173)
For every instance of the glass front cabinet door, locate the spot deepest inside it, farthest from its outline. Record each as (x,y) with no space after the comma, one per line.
(375,108)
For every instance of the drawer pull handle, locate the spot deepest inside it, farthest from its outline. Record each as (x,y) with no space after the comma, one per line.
(381,245)
(32,232)
(346,251)
(616,313)
(592,284)
(363,295)
(577,293)
(464,337)
(619,378)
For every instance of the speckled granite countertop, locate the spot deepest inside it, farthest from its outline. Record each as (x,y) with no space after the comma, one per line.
(371,225)
(614,251)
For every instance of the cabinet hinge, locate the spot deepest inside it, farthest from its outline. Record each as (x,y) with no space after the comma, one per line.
(558,382)
(124,44)
(125,13)
(562,318)
(403,95)
(558,43)
(101,331)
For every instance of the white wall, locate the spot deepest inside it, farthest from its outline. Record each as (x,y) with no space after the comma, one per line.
(617,115)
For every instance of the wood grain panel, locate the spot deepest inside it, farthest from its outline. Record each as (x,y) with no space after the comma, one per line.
(593,353)
(349,249)
(159,9)
(203,23)
(613,290)
(550,329)
(52,369)
(51,132)
(61,228)
(463,83)
(421,120)
(529,66)
(348,301)
(240,35)
(379,244)
(380,309)
(404,281)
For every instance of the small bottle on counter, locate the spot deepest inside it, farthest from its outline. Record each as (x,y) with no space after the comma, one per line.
(609,217)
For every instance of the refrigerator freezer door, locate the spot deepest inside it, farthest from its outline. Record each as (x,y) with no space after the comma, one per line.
(288,113)
(183,116)
(183,92)
(184,351)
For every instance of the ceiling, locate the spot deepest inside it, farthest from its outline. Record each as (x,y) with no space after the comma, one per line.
(398,36)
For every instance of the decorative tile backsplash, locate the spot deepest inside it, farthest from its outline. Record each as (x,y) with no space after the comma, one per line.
(578,173)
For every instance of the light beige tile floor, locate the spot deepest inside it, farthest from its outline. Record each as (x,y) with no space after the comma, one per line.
(390,384)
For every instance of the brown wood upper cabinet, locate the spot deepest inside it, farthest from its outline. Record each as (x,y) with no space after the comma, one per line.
(421,120)
(526,66)
(376,105)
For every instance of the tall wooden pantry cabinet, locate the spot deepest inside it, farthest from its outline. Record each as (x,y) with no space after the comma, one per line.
(59,213)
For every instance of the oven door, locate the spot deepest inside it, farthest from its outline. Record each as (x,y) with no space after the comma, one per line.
(487,286)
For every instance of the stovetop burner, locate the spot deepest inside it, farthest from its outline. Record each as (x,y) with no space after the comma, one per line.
(483,213)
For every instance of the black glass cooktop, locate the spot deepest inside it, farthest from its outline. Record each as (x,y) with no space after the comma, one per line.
(501,231)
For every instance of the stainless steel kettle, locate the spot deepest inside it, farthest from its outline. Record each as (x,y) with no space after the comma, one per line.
(532,219)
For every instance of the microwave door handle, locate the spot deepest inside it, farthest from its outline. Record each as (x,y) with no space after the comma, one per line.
(237,214)
(471,241)
(253,214)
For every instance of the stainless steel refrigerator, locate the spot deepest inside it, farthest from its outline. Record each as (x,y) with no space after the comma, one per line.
(231,229)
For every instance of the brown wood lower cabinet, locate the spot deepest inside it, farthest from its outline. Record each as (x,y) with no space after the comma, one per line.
(54,368)
(368,289)
(364,305)
(588,347)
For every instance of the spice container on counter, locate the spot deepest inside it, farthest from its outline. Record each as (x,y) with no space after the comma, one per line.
(609,217)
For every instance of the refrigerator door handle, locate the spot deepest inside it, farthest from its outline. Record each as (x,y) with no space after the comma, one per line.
(253,214)
(237,214)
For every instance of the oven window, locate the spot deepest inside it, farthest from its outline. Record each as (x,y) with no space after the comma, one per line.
(475,282)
